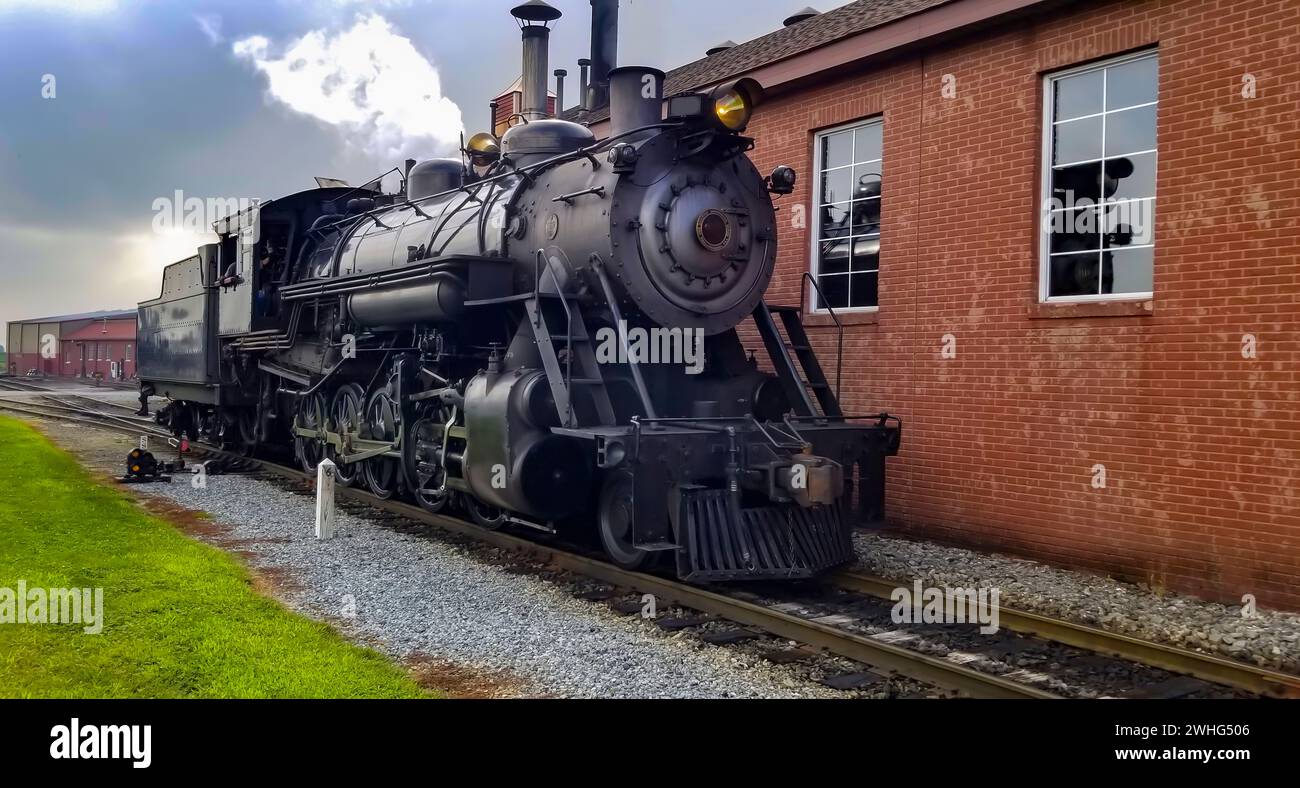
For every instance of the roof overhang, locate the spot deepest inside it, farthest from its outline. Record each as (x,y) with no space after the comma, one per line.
(925,26)
(860,49)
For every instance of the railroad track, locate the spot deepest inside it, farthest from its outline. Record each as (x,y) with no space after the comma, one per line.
(19,384)
(883,657)
(1208,667)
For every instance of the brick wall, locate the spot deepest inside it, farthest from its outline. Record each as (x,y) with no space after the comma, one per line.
(1201,446)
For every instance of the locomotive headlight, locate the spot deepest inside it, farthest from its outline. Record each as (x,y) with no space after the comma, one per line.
(727,107)
(733,103)
(732,109)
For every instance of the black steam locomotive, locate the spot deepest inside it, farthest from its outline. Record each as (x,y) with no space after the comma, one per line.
(542,332)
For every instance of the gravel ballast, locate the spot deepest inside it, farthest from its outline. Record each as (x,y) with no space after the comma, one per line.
(1270,638)
(420,598)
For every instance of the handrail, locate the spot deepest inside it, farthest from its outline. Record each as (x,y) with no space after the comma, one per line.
(839,355)
(568,318)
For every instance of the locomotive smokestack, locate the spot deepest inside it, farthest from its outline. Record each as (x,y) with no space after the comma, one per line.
(584,73)
(492,119)
(636,98)
(560,74)
(534,18)
(604,50)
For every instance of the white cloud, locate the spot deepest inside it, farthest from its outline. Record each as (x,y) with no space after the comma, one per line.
(59,6)
(369,81)
(210,24)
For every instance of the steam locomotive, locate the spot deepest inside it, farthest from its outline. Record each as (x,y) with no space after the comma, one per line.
(480,340)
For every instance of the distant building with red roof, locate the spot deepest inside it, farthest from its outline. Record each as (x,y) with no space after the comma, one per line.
(79,345)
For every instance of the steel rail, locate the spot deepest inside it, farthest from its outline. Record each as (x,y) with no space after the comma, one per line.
(1209,667)
(102,420)
(877,654)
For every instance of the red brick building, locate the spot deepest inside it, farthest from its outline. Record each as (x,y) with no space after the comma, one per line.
(506,106)
(1063,240)
(75,346)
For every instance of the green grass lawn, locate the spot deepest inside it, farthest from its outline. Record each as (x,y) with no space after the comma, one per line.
(180,618)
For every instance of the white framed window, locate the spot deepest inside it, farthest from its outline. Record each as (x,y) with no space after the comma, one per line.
(846,216)
(1099,181)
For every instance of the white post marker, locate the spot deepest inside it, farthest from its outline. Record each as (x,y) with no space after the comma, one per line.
(325,475)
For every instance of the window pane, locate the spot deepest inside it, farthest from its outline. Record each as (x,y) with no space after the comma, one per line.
(866,181)
(1130,131)
(1129,271)
(1071,185)
(1078,95)
(837,150)
(835,289)
(866,254)
(1074,231)
(1075,274)
(866,217)
(863,290)
(1130,223)
(849,202)
(1131,83)
(1078,140)
(1131,177)
(837,185)
(868,146)
(835,220)
(834,257)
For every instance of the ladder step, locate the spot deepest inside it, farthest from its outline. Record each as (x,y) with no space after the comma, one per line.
(799,348)
(818,386)
(653,547)
(587,381)
(780,308)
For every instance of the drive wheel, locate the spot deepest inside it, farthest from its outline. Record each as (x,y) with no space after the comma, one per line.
(486,515)
(310,416)
(422,460)
(615,517)
(383,423)
(344,418)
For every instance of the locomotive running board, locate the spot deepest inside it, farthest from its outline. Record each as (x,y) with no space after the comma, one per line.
(777,542)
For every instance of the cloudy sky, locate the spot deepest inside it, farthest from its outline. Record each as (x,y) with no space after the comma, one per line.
(111,106)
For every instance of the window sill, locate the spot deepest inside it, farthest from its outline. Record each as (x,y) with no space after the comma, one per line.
(822,319)
(1144,308)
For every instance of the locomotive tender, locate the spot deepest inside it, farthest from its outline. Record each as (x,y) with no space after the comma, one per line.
(445,342)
